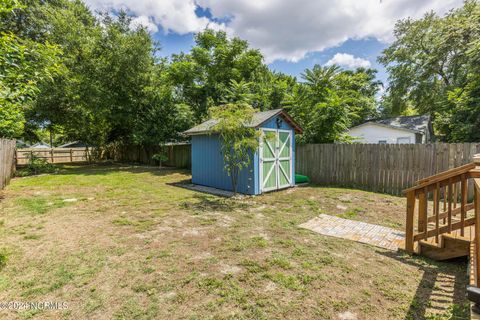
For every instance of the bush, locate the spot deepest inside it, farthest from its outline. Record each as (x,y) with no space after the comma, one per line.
(36,165)
(160,157)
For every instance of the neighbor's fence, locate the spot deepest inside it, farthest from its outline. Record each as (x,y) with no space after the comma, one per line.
(7,161)
(55,155)
(387,168)
(179,154)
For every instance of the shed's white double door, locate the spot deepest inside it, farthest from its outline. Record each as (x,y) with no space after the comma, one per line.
(275,159)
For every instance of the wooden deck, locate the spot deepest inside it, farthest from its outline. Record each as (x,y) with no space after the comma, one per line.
(443,220)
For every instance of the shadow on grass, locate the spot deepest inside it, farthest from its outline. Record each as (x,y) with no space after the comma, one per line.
(201,202)
(347,187)
(434,291)
(106,168)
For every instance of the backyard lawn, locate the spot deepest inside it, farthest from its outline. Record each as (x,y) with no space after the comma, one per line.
(124,242)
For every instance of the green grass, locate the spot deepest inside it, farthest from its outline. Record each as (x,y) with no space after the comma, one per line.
(3,260)
(37,205)
(351,214)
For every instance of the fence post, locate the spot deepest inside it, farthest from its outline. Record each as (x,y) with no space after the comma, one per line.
(7,161)
(14,162)
(476,159)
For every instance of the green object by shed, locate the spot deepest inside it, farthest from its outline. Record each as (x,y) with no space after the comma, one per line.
(301,179)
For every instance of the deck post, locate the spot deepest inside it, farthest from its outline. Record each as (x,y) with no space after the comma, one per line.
(409,224)
(476,159)
(476,201)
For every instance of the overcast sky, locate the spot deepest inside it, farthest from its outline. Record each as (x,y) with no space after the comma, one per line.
(292,34)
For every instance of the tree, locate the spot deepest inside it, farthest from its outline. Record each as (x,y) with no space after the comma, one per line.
(115,90)
(203,76)
(23,65)
(432,68)
(330,100)
(238,141)
(238,92)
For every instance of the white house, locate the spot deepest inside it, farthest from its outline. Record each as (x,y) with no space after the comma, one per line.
(408,129)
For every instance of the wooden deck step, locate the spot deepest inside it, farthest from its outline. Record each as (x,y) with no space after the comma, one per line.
(456,241)
(450,246)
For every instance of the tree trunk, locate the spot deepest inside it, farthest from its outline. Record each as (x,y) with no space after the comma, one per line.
(234,179)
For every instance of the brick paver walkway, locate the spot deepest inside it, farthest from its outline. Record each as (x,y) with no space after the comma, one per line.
(373,234)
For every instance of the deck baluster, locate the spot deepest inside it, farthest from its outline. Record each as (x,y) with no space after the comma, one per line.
(436,210)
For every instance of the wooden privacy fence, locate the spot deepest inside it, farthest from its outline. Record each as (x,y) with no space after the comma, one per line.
(387,168)
(55,155)
(7,161)
(179,154)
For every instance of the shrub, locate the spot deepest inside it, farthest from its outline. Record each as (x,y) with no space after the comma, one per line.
(36,165)
(160,157)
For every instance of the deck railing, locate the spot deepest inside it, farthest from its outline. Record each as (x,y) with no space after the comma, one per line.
(440,204)
(448,203)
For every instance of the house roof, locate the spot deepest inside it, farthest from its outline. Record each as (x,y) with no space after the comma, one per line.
(80,144)
(258,119)
(417,124)
(41,145)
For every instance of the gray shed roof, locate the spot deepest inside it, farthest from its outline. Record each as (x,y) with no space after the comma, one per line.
(258,119)
(410,123)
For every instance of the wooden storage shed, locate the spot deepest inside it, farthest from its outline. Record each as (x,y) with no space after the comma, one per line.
(272,167)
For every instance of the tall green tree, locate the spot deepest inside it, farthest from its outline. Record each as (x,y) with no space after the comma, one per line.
(330,100)
(202,77)
(432,68)
(114,90)
(24,63)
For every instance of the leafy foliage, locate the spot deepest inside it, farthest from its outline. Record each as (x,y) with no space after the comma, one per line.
(36,165)
(330,100)
(238,141)
(23,64)
(433,69)
(113,88)
(202,77)
(160,157)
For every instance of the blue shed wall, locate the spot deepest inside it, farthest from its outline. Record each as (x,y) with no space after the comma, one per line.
(208,166)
